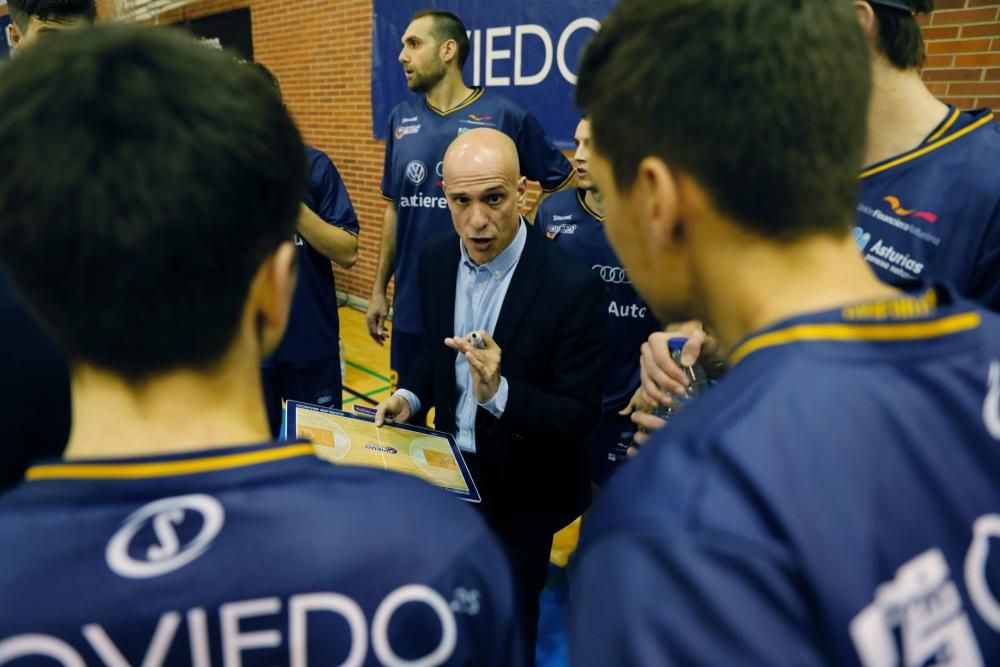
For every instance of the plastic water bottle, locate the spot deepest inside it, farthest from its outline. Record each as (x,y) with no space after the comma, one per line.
(695,373)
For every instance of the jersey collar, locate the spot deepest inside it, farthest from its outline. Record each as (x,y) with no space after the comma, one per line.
(928,314)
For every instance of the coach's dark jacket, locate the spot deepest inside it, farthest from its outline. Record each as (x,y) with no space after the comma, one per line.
(552,332)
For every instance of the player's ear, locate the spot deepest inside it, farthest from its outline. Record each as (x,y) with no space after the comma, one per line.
(656,192)
(13,35)
(448,50)
(522,191)
(271,296)
(866,18)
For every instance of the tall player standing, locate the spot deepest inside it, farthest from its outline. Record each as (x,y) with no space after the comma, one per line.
(435,47)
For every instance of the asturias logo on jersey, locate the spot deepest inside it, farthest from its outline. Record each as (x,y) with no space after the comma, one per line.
(416,172)
(898,209)
(481,119)
(131,553)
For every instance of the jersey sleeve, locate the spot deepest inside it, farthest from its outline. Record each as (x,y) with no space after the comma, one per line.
(540,159)
(389,189)
(648,599)
(543,217)
(333,204)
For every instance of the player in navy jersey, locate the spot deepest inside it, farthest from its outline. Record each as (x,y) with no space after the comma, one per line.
(173,532)
(435,47)
(574,220)
(306,366)
(929,203)
(34,379)
(834,500)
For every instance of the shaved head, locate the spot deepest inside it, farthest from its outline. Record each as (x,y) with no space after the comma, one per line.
(485,190)
(482,147)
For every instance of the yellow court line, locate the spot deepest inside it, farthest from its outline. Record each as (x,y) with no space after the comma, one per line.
(928,148)
(165,468)
(857,332)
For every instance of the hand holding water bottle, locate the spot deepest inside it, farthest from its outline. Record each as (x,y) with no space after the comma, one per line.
(670,374)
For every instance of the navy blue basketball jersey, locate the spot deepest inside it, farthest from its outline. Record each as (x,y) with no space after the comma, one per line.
(933,213)
(833,501)
(257,555)
(313,324)
(419,135)
(565,218)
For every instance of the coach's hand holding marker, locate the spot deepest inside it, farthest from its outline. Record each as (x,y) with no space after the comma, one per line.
(483,355)
(393,409)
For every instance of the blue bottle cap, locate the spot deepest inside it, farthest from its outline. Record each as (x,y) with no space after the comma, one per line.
(674,344)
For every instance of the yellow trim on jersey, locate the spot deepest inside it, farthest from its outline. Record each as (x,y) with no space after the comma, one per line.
(581,197)
(562,185)
(386,197)
(165,468)
(475,95)
(896,331)
(927,148)
(955,113)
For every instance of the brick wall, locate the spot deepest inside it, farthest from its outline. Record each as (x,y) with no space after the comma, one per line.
(963,53)
(320,49)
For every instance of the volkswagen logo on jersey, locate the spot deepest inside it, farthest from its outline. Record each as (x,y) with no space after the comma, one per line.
(134,558)
(612,274)
(416,172)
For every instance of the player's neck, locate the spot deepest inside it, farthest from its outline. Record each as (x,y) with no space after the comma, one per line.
(595,201)
(449,92)
(902,112)
(176,412)
(747,284)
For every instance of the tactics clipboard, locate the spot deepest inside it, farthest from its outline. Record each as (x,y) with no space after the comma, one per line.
(346,439)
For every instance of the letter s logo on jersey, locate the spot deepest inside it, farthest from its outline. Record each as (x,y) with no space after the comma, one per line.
(416,172)
(991,404)
(168,553)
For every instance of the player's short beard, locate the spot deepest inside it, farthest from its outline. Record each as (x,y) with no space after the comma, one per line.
(423,83)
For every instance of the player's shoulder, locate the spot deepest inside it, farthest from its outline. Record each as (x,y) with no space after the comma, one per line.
(560,201)
(318,160)
(408,108)
(390,498)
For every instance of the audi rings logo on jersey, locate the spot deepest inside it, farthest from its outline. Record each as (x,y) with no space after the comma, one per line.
(167,553)
(612,274)
(416,172)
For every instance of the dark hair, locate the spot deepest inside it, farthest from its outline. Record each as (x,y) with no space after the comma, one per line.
(268,75)
(763,103)
(447,26)
(147,180)
(51,10)
(899,35)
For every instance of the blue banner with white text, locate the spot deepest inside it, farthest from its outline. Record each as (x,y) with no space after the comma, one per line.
(527,50)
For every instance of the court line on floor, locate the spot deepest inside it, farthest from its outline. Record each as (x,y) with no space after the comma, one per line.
(366,370)
(368,394)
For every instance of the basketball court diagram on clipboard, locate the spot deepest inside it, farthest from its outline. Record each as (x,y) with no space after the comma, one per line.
(345,439)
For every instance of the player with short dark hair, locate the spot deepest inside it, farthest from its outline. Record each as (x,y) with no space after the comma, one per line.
(574,220)
(929,202)
(31,19)
(435,46)
(833,501)
(158,253)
